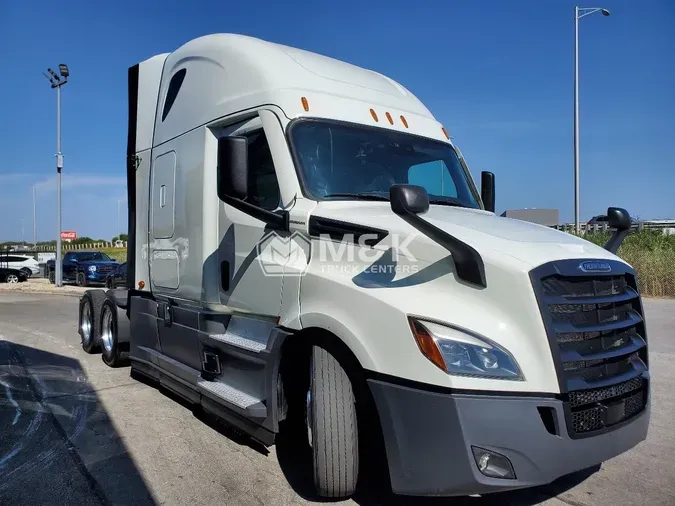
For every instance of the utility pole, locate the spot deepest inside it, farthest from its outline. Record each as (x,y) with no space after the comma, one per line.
(56,82)
(579,12)
(34,220)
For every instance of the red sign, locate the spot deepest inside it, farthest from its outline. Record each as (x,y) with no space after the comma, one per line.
(68,235)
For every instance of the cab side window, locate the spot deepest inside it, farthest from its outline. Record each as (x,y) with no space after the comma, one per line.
(263,187)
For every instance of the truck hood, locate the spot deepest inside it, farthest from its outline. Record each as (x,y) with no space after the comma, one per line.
(100,263)
(487,233)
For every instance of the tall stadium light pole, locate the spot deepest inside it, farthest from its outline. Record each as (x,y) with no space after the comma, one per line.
(119,233)
(57,82)
(579,12)
(34,219)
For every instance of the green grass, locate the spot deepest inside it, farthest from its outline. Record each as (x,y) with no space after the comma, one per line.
(652,255)
(119,254)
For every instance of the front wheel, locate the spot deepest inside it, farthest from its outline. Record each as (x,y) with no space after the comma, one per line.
(52,277)
(81,279)
(332,426)
(26,272)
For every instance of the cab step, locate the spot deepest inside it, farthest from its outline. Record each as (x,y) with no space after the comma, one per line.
(247,404)
(242,342)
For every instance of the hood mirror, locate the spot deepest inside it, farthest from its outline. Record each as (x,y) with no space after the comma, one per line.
(408,199)
(619,219)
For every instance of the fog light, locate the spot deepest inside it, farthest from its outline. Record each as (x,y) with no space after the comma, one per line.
(492,464)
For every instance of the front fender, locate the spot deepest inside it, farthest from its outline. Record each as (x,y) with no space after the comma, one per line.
(341,331)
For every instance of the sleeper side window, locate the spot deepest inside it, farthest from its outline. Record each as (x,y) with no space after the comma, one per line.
(172,92)
(263,187)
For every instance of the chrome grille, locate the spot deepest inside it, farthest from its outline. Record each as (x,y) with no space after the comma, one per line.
(596,330)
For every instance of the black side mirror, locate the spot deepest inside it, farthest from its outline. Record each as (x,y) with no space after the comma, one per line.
(619,219)
(408,199)
(232,168)
(487,190)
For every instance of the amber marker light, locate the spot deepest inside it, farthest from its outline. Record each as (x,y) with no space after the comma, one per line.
(426,344)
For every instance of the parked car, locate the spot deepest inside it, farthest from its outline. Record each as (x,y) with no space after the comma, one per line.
(25,263)
(117,278)
(10,275)
(83,267)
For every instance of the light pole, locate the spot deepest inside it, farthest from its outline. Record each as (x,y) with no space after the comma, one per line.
(119,233)
(56,82)
(34,219)
(579,12)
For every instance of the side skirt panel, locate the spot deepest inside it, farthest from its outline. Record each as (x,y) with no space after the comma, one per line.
(237,379)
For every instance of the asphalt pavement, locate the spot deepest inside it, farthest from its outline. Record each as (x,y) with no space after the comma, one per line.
(75,432)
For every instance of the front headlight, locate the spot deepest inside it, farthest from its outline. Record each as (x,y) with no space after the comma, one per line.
(92,268)
(458,352)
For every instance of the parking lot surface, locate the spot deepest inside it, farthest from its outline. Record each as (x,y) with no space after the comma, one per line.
(75,432)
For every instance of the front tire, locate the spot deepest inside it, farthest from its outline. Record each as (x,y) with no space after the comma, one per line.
(89,329)
(111,353)
(27,272)
(81,279)
(52,277)
(332,424)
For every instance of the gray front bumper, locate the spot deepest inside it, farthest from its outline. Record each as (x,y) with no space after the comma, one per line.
(428,438)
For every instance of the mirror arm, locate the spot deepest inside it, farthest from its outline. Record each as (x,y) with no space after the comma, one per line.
(612,245)
(619,219)
(468,262)
(274,220)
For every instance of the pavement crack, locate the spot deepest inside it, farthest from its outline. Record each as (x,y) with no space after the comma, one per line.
(88,392)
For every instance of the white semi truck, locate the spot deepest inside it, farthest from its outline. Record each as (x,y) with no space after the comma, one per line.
(307,248)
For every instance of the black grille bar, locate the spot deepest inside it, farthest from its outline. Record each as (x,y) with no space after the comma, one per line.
(567,327)
(595,325)
(561,299)
(580,353)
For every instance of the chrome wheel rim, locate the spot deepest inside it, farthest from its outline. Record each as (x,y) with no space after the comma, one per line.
(12,278)
(308,417)
(85,325)
(107,330)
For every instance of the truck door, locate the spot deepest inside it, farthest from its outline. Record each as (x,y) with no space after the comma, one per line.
(69,265)
(249,282)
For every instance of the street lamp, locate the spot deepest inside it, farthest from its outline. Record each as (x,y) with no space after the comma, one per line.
(579,12)
(119,233)
(57,82)
(34,219)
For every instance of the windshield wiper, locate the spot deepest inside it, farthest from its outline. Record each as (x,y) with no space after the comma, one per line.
(449,201)
(361,196)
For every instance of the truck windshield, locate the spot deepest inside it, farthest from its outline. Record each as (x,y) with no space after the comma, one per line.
(338,161)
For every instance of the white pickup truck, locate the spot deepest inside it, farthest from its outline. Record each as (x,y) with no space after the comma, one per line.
(307,248)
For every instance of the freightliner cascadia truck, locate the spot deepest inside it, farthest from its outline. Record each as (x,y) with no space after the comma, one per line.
(307,247)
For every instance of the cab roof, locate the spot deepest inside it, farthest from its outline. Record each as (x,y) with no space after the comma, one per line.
(216,75)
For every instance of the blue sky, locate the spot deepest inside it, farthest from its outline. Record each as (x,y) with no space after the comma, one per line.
(498,74)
